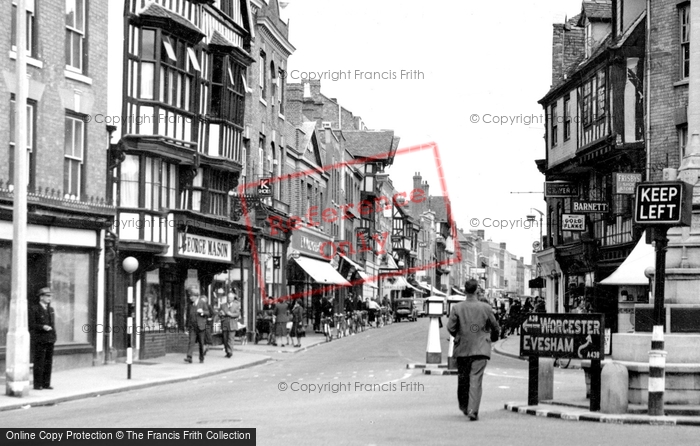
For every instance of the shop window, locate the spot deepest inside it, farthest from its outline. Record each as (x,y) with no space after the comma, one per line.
(152,316)
(71,285)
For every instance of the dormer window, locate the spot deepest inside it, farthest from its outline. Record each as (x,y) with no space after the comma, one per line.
(589,39)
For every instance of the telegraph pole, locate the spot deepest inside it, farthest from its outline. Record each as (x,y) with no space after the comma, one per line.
(17,356)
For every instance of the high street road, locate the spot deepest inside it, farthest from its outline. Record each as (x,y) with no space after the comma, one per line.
(352,391)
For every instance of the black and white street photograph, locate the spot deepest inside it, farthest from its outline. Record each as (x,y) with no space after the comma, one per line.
(351,222)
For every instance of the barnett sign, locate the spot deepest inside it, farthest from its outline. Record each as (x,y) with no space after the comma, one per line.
(563,335)
(667,203)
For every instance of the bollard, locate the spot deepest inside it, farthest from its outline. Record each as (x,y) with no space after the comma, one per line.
(433,354)
(657,373)
(546,379)
(614,393)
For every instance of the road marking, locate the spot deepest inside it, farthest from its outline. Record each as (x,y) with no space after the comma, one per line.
(506,376)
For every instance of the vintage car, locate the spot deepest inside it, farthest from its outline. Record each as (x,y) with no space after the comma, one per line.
(404,309)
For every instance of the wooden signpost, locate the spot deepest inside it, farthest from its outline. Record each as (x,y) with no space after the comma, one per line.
(563,335)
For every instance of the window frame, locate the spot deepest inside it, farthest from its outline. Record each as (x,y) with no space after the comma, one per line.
(82,34)
(567,117)
(684,39)
(31,28)
(31,139)
(554,123)
(81,161)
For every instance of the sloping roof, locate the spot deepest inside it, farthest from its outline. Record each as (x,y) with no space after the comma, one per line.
(218,39)
(597,9)
(155,10)
(439,206)
(379,144)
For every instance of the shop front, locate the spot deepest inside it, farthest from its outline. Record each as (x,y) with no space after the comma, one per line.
(70,261)
(311,276)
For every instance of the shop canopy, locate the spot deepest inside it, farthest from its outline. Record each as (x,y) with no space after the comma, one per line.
(457,291)
(431,289)
(631,271)
(321,272)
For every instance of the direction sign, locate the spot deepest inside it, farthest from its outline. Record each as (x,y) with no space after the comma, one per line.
(563,335)
(667,203)
(264,187)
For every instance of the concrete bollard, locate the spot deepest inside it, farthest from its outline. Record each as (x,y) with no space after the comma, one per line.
(545,387)
(614,387)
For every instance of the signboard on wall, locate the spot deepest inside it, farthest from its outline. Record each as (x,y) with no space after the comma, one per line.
(666,203)
(201,247)
(573,222)
(624,183)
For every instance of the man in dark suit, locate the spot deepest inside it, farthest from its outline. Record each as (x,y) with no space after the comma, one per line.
(471,323)
(196,323)
(43,337)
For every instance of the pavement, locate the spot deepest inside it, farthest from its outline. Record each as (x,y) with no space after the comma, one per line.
(93,382)
(574,407)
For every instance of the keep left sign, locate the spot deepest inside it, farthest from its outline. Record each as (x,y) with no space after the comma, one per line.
(667,203)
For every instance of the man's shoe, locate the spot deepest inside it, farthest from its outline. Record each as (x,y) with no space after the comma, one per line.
(201,360)
(48,387)
(472,416)
(38,388)
(188,359)
(228,355)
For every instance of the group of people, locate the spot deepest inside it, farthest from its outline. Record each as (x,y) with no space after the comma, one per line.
(283,320)
(512,318)
(200,321)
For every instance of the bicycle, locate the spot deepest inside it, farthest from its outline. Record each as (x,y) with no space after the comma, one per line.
(562,362)
(326,326)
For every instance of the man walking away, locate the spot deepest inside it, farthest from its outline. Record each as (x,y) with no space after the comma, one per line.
(196,323)
(470,323)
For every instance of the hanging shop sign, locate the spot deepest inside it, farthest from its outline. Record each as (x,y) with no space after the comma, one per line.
(624,183)
(573,222)
(560,189)
(590,207)
(200,247)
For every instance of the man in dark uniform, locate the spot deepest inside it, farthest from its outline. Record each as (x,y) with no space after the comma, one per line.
(43,337)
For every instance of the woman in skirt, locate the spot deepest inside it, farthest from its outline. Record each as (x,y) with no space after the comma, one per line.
(298,330)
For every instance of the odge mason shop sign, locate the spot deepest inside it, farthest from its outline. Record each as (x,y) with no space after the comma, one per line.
(200,247)
(563,335)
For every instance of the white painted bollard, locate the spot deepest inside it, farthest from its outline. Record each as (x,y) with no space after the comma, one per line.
(433,353)
(657,372)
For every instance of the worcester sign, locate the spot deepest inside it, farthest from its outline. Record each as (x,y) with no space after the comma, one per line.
(206,248)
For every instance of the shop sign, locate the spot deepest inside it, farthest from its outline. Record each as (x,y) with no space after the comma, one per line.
(560,189)
(590,207)
(666,203)
(200,247)
(573,222)
(311,244)
(624,183)
(264,187)
(560,335)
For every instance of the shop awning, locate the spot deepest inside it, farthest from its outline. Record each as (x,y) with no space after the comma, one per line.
(457,291)
(431,289)
(400,283)
(321,272)
(631,271)
(354,264)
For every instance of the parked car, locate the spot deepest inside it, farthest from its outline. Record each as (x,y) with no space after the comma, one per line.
(404,309)
(419,305)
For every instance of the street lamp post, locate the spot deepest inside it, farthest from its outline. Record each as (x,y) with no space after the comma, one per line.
(531,219)
(130,264)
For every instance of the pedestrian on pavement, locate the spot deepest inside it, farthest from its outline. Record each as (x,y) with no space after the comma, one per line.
(43,338)
(514,317)
(229,314)
(196,323)
(280,313)
(471,323)
(298,330)
(208,340)
(540,306)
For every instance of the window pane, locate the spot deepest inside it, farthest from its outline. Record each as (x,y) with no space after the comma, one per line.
(70,282)
(148,48)
(69,137)
(130,181)
(80,15)
(70,13)
(147,80)
(78,133)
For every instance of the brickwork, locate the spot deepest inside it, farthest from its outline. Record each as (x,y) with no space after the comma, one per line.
(668,96)
(153,345)
(55,93)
